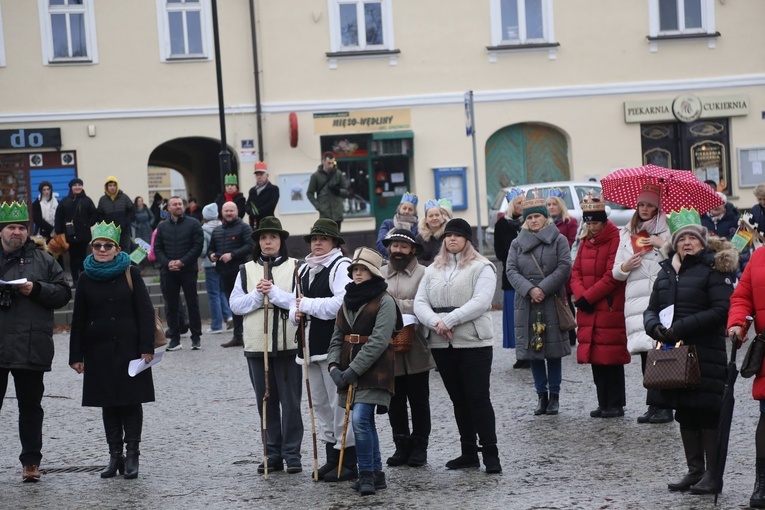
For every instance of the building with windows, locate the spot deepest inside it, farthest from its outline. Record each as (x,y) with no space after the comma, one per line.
(562,91)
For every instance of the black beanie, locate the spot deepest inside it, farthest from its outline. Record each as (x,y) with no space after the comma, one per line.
(43,184)
(460,227)
(74,181)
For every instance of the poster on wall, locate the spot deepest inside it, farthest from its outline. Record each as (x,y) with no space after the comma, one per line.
(294,198)
(451,183)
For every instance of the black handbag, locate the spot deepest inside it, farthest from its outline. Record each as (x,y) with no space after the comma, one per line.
(753,359)
(672,369)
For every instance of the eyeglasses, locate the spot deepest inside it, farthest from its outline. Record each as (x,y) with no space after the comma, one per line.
(106,246)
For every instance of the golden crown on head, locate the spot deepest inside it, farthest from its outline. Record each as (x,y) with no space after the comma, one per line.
(534,200)
(592,202)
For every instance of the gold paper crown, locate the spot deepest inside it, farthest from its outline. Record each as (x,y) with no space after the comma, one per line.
(109,231)
(230,179)
(14,212)
(592,203)
(682,218)
(533,202)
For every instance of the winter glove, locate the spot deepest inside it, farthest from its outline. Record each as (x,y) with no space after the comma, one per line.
(349,376)
(584,305)
(659,333)
(671,336)
(335,188)
(337,378)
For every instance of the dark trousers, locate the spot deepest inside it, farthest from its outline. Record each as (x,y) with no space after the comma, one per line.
(29,391)
(692,418)
(229,280)
(466,374)
(122,423)
(77,254)
(414,388)
(609,383)
(172,282)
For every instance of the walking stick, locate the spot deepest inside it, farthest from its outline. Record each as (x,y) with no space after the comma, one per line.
(265,364)
(307,382)
(348,401)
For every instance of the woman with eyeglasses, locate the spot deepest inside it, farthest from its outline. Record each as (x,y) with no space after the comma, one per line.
(112,324)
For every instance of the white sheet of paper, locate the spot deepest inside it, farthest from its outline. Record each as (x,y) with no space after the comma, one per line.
(137,365)
(757,167)
(666,316)
(409,319)
(20,281)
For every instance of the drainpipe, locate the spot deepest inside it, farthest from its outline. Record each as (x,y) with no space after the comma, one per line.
(258,111)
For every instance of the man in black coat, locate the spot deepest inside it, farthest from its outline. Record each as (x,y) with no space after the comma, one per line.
(26,320)
(115,206)
(75,214)
(263,197)
(231,246)
(178,245)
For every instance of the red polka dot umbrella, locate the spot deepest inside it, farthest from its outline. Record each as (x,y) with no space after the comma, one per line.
(679,188)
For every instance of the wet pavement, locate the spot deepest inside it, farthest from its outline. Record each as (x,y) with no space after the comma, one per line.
(201,446)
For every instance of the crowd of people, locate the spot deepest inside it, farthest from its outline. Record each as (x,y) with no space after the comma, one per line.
(362,333)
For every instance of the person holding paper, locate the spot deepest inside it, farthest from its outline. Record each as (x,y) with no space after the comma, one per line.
(697,278)
(26,320)
(112,324)
(412,369)
(637,263)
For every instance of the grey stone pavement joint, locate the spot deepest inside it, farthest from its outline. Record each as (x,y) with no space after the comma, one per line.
(201,447)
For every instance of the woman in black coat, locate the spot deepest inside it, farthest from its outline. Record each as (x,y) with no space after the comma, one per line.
(697,279)
(113,324)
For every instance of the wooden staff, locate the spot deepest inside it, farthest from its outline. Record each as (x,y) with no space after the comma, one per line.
(348,402)
(298,286)
(265,364)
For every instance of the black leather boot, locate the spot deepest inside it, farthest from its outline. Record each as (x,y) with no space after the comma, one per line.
(131,460)
(708,484)
(758,496)
(694,457)
(379,478)
(491,459)
(648,414)
(401,455)
(366,484)
(662,416)
(541,404)
(348,471)
(468,459)
(333,457)
(113,429)
(418,454)
(116,461)
(553,405)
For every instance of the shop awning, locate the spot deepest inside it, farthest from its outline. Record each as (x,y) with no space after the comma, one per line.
(392,135)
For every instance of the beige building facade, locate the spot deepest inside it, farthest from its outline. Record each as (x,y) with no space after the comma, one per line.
(562,90)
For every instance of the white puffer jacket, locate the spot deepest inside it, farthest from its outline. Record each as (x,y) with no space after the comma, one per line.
(638,291)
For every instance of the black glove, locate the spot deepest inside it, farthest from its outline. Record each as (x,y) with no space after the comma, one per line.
(349,376)
(584,305)
(335,188)
(659,333)
(337,378)
(671,336)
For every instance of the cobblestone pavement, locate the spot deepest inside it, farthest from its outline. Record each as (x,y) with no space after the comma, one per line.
(201,446)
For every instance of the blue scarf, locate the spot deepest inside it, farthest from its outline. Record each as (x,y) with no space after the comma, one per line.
(105,271)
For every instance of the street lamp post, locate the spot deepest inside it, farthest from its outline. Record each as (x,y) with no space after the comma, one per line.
(225,155)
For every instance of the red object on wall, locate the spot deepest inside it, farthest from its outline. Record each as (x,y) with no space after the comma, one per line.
(293,130)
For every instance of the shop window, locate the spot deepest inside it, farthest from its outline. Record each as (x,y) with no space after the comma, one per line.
(360,25)
(521,22)
(2,41)
(352,156)
(68,31)
(681,17)
(185,29)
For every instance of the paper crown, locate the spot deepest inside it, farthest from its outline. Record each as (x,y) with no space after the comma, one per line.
(409,197)
(515,192)
(230,179)
(556,192)
(261,166)
(109,231)
(445,203)
(431,203)
(14,212)
(592,203)
(530,203)
(682,218)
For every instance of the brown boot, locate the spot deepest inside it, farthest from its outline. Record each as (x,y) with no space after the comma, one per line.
(234,342)
(31,473)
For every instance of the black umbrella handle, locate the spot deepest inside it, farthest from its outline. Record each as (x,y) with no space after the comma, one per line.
(734,348)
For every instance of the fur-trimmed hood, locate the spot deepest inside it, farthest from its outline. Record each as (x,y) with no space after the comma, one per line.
(725,255)
(40,243)
(427,234)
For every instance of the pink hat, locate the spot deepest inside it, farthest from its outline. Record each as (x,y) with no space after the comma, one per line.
(650,194)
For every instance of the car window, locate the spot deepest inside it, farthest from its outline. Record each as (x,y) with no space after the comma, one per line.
(499,200)
(581,191)
(544,192)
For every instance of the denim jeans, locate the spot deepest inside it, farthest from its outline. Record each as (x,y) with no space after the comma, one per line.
(367,441)
(547,372)
(219,310)
(508,320)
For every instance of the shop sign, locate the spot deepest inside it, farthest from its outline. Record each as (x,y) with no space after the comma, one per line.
(361,121)
(30,138)
(685,108)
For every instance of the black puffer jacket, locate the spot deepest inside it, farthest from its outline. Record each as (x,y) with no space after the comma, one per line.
(234,238)
(181,240)
(79,209)
(701,292)
(26,328)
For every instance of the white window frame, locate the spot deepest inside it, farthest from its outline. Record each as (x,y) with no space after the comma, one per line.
(336,39)
(46,32)
(707,19)
(497,33)
(163,25)
(2,41)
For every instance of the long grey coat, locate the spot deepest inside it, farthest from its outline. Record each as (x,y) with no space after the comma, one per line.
(551,250)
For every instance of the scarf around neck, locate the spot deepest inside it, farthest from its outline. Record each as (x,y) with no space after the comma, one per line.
(313,261)
(655,226)
(48,208)
(404,221)
(362,293)
(105,271)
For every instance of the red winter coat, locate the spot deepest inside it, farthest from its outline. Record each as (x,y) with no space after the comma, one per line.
(749,299)
(602,336)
